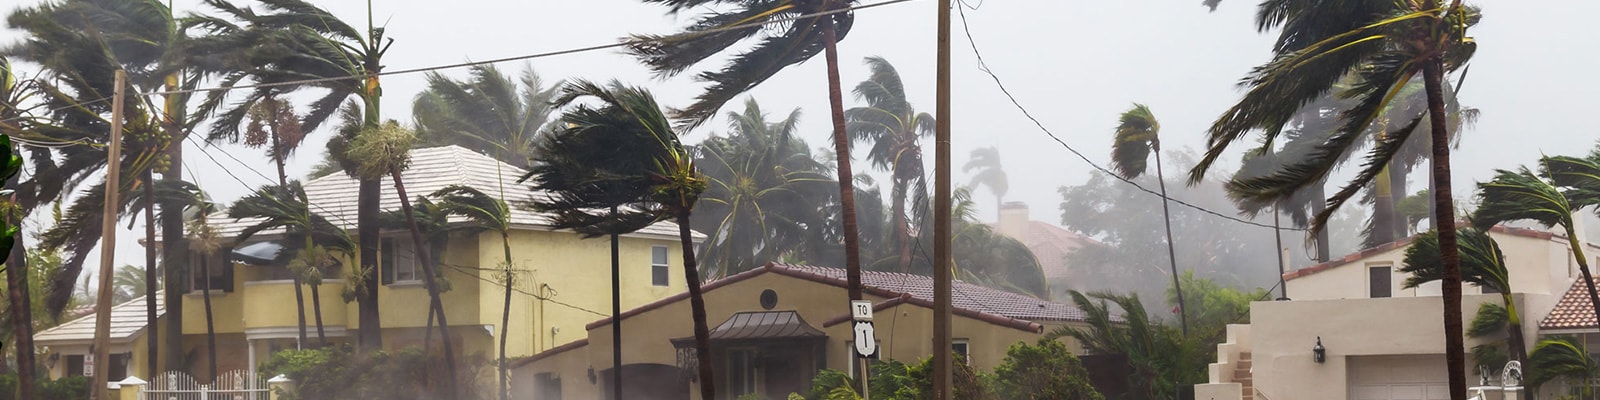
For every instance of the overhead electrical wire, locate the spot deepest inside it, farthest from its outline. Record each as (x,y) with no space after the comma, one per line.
(983,66)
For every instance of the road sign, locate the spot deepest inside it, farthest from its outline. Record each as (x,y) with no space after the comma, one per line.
(88,364)
(861,310)
(866,342)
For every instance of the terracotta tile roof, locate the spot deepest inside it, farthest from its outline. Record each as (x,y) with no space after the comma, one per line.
(1402,243)
(127,321)
(1574,311)
(1051,244)
(334,196)
(991,305)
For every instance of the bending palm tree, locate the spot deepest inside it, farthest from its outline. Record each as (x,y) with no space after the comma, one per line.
(1562,357)
(625,156)
(990,173)
(1138,136)
(489,113)
(387,151)
(894,129)
(1482,264)
(1381,46)
(274,125)
(492,214)
(1521,195)
(799,41)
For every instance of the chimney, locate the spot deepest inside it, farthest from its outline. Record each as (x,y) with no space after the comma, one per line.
(1014,220)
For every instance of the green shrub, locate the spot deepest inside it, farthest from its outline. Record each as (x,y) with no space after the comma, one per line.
(894,380)
(69,388)
(1043,371)
(340,373)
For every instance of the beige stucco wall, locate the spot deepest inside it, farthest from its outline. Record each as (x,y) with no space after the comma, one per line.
(571,366)
(1538,266)
(1284,332)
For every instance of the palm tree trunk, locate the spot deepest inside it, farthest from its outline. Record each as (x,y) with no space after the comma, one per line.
(371,334)
(841,149)
(428,280)
(175,251)
(300,308)
(1583,265)
(211,329)
(22,313)
(1515,342)
(1172,254)
(316,309)
(151,345)
(902,227)
(1397,192)
(697,305)
(505,317)
(1323,238)
(616,312)
(1383,215)
(1455,346)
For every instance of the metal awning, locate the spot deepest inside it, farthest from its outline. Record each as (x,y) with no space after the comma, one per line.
(760,326)
(258,253)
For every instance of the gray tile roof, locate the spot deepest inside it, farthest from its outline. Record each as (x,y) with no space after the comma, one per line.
(334,196)
(127,320)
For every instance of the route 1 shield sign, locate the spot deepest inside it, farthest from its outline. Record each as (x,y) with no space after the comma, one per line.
(866,342)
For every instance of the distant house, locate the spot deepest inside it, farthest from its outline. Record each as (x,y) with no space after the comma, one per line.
(564,280)
(775,327)
(1049,243)
(1382,341)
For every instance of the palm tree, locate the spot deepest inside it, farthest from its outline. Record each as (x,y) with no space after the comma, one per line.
(1562,357)
(1380,46)
(490,113)
(1521,195)
(764,193)
(386,150)
(488,213)
(624,156)
(1482,264)
(204,241)
(273,124)
(14,120)
(894,129)
(284,207)
(130,282)
(793,42)
(1135,336)
(1138,136)
(295,41)
(990,173)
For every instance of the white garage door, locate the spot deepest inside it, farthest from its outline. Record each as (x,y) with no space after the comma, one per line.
(1398,378)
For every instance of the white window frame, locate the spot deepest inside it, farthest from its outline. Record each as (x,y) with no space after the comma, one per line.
(665,264)
(401,245)
(1387,266)
(966,352)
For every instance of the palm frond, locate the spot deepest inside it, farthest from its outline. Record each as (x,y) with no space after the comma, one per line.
(1136,134)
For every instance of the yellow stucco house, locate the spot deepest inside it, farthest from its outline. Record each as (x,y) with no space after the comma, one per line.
(563,281)
(774,327)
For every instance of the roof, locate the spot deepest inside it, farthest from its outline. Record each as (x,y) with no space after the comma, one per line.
(1402,243)
(1573,311)
(990,305)
(127,322)
(551,352)
(334,196)
(757,325)
(1051,244)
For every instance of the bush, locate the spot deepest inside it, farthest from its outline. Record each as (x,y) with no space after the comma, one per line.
(340,373)
(1043,371)
(898,381)
(69,388)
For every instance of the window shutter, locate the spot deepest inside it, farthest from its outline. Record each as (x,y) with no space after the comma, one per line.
(386,260)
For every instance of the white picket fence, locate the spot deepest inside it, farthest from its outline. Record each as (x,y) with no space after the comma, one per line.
(231,385)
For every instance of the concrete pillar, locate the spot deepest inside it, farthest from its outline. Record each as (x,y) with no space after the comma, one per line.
(130,389)
(278,386)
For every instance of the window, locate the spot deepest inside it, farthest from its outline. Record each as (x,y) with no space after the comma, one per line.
(118,368)
(850,354)
(220,269)
(547,386)
(962,349)
(742,372)
(1379,278)
(658,266)
(397,258)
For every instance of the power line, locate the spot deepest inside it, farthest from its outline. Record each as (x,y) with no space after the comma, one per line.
(629,42)
(983,66)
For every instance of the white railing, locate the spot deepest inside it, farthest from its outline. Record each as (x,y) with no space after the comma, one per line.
(231,385)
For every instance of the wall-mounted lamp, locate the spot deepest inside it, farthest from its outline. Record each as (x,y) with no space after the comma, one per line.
(1319,353)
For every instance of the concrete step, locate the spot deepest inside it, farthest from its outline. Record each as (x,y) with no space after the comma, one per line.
(1244,356)
(1242,365)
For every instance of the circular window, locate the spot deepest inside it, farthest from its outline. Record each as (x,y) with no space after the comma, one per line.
(769,299)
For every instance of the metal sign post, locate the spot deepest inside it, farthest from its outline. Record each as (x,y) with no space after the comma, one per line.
(866,343)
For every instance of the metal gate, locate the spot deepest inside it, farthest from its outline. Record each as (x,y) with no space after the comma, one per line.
(231,385)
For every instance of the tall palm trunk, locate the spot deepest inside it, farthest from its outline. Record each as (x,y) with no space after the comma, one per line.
(367,230)
(1583,264)
(211,329)
(616,313)
(1455,346)
(21,312)
(175,252)
(300,308)
(1383,214)
(1397,192)
(505,317)
(902,225)
(841,149)
(316,310)
(1515,342)
(697,305)
(1319,204)
(151,345)
(428,280)
(1172,254)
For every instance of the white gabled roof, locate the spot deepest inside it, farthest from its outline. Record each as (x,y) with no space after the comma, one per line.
(334,196)
(127,323)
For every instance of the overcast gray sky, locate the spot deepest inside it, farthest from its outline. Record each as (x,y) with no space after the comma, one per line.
(1075,64)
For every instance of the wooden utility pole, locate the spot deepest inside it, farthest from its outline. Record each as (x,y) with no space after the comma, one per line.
(108,245)
(942,366)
